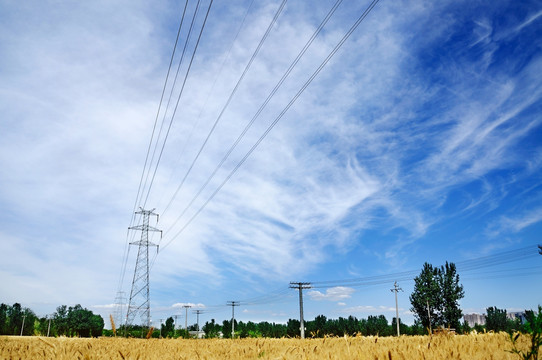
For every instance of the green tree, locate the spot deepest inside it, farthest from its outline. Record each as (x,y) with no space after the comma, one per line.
(437,291)
(15,322)
(426,294)
(168,328)
(496,319)
(211,329)
(451,292)
(377,325)
(60,319)
(96,325)
(82,322)
(293,328)
(533,327)
(319,325)
(4,319)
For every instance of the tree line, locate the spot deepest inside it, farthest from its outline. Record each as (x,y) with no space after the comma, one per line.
(66,321)
(319,327)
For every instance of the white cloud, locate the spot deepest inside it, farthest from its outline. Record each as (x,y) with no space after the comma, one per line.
(337,293)
(516,223)
(191,305)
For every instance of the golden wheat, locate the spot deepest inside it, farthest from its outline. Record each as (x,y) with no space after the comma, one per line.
(474,346)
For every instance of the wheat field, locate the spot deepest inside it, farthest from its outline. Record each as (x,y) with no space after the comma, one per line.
(474,346)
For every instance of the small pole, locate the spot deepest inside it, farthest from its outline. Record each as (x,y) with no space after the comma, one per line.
(186,318)
(49,327)
(429,315)
(233,304)
(22,327)
(175,326)
(197,316)
(301,286)
(396,289)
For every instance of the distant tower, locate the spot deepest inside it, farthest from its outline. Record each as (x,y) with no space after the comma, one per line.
(139,295)
(119,308)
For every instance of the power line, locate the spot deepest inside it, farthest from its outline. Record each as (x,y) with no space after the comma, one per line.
(204,106)
(257,114)
(464,266)
(277,119)
(239,81)
(127,247)
(179,97)
(186,42)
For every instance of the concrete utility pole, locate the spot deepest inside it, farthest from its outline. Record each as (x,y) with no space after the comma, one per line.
(49,327)
(161,327)
(140,282)
(197,312)
(301,286)
(396,289)
(175,325)
(233,304)
(186,318)
(22,327)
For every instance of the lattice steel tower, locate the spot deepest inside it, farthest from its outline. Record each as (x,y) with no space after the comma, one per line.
(140,295)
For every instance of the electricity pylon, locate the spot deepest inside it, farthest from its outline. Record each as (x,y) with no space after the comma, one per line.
(119,308)
(140,295)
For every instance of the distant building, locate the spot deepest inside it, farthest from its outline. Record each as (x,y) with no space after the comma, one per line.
(480,319)
(473,319)
(197,334)
(517,315)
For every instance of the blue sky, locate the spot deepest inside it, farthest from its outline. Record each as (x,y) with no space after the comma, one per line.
(418,141)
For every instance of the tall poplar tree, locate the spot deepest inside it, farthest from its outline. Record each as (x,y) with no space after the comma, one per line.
(436,295)
(425,299)
(451,293)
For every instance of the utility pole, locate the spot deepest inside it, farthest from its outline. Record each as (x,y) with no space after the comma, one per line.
(175,325)
(233,304)
(429,316)
(161,327)
(186,318)
(49,327)
(197,312)
(22,327)
(140,295)
(396,289)
(301,286)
